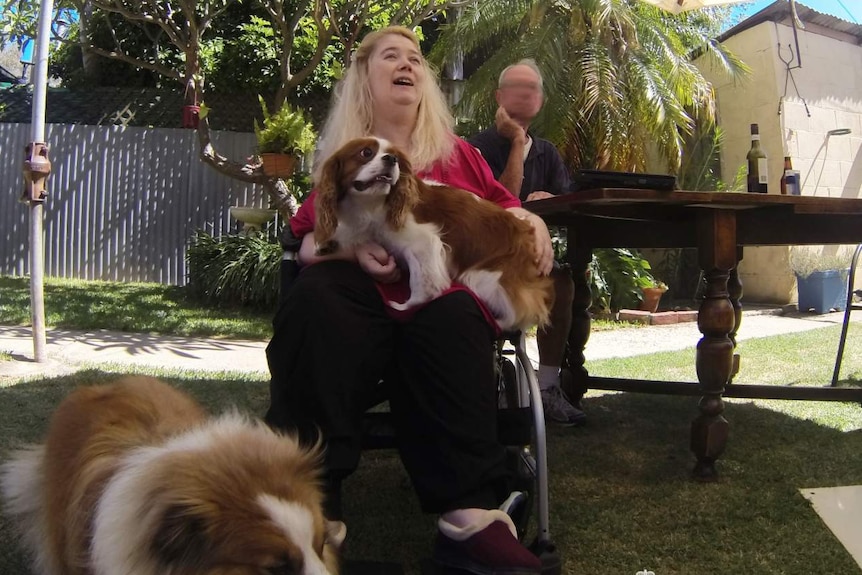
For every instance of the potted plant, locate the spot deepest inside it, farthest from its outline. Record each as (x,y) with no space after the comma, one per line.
(284,137)
(618,277)
(821,280)
(652,295)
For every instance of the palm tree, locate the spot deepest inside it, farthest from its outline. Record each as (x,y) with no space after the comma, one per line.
(619,75)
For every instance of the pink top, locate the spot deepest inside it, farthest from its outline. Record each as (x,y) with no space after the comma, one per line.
(467,170)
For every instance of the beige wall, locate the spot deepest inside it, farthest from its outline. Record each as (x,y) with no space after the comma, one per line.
(830,81)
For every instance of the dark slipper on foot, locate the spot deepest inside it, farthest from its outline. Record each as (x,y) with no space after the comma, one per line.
(490,548)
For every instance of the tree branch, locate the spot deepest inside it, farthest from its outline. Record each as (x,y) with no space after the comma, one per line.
(159,69)
(251,172)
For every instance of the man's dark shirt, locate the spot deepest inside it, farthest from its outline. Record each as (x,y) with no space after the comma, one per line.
(543,167)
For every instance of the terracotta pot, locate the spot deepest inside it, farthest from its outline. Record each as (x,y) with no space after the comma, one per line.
(278,165)
(652,296)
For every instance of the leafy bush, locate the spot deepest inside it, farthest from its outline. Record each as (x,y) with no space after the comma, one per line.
(617,278)
(235,269)
(617,275)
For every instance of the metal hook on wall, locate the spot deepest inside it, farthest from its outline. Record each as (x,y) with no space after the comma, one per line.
(789,76)
(789,60)
(796,24)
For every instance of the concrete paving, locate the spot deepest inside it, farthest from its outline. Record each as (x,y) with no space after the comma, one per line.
(71,350)
(760,321)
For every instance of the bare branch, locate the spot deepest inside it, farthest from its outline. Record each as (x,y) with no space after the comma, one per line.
(117,44)
(161,17)
(159,69)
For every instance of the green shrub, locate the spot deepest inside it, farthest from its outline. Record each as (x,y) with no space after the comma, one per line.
(235,269)
(617,276)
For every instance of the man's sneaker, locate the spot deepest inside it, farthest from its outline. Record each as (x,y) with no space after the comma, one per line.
(558,409)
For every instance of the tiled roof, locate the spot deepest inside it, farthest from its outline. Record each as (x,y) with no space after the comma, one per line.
(147,107)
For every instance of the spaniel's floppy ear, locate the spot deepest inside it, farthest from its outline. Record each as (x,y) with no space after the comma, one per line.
(325,204)
(404,194)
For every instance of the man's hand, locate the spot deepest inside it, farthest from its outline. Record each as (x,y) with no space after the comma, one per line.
(538,196)
(509,128)
(377,262)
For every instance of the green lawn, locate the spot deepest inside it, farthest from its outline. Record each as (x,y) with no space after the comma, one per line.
(132,307)
(621,496)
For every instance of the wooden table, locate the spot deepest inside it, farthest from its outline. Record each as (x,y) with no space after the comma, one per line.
(718,224)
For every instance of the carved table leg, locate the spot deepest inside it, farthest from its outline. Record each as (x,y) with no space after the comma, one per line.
(734,290)
(716,321)
(579,260)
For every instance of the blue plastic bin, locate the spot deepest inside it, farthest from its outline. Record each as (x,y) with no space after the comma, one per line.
(823,291)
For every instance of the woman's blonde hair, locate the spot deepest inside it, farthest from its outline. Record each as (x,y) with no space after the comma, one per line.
(351,114)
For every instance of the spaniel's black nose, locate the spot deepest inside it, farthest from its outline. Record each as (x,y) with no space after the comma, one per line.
(390,159)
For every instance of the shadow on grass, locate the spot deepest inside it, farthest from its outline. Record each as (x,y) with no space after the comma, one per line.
(133,344)
(621,497)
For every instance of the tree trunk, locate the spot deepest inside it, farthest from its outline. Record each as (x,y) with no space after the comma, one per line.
(89,61)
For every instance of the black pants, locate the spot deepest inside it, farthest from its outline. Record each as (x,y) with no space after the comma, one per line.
(334,341)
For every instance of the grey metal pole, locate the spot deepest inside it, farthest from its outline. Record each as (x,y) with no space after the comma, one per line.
(37,122)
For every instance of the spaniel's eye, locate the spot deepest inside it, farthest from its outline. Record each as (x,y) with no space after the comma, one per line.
(288,568)
(366,153)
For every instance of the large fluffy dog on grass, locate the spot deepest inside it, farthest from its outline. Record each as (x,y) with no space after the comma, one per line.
(135,479)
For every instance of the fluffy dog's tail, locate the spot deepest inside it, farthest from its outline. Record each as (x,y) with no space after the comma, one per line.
(23,496)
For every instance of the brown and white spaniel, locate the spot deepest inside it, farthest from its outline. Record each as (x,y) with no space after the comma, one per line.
(368,192)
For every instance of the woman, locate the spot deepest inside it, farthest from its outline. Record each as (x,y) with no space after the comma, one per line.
(335,339)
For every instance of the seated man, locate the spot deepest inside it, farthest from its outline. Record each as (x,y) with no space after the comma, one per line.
(532,169)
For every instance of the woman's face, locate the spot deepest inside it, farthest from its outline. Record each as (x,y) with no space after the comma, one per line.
(395,72)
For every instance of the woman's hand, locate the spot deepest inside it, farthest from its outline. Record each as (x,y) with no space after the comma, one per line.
(372,258)
(308,252)
(544,248)
(377,262)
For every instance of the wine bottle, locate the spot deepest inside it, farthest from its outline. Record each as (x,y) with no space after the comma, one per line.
(758,176)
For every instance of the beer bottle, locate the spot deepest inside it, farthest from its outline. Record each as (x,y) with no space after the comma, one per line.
(787,173)
(757,168)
